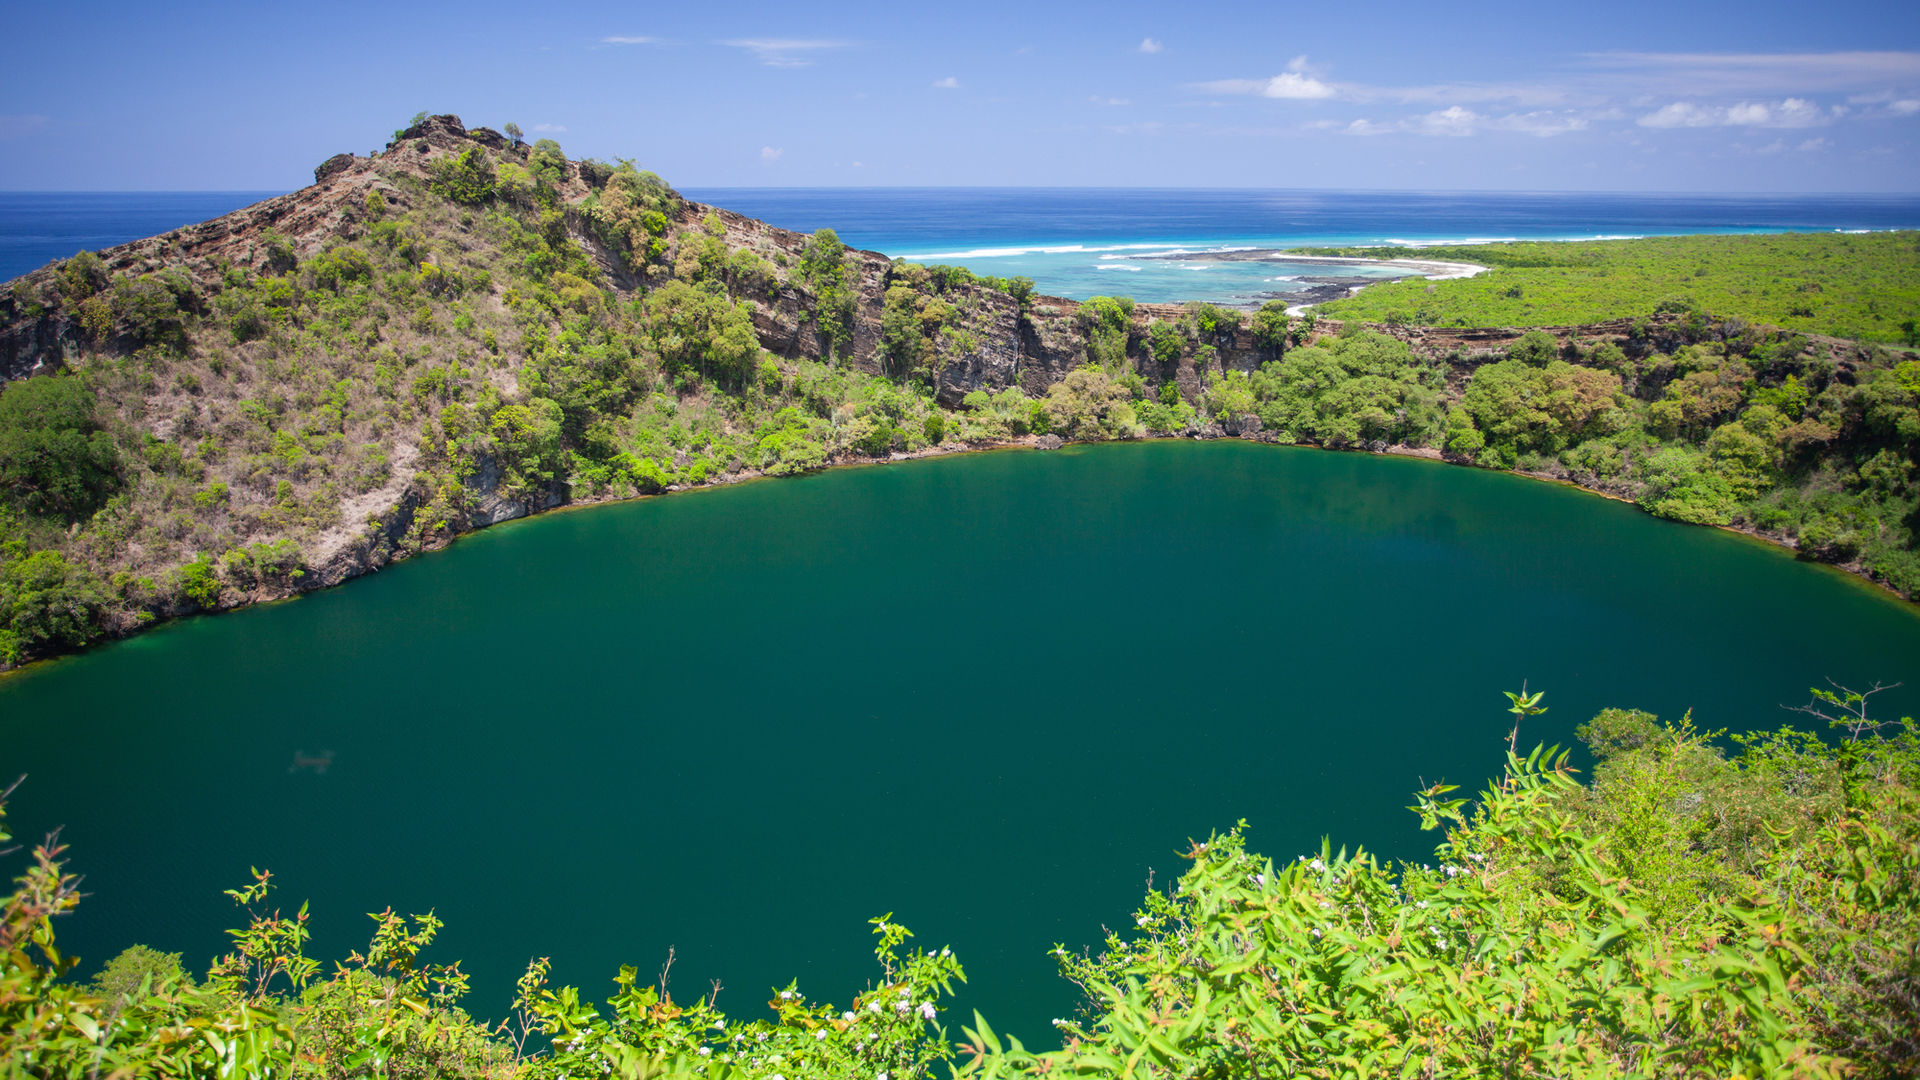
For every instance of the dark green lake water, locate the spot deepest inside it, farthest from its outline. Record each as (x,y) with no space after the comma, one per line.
(986,693)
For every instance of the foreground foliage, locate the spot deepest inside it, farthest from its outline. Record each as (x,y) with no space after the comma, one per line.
(1685,914)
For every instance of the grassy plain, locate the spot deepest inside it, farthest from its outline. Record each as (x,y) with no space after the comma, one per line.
(1864,286)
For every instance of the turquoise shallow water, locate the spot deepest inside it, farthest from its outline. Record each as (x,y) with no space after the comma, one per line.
(987,693)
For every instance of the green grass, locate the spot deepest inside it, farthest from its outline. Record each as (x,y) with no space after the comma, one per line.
(1861,286)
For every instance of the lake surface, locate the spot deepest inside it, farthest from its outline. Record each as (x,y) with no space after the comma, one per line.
(988,693)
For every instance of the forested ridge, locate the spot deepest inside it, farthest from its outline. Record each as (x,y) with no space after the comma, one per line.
(464,328)
(1698,908)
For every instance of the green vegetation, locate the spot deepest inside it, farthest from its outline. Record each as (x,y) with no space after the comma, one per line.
(499,329)
(1351,390)
(1864,286)
(1690,912)
(1731,427)
(221,435)
(55,460)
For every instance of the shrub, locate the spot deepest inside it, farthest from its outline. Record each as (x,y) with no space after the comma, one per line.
(55,460)
(465,178)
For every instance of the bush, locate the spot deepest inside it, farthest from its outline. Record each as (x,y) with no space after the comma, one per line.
(55,460)
(466,178)
(47,604)
(1535,347)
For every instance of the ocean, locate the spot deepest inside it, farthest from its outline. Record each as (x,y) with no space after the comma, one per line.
(1080,242)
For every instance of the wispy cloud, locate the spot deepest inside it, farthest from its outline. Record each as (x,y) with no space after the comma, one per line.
(1790,113)
(771,153)
(1151,46)
(629,39)
(13,126)
(948,83)
(548,129)
(785,52)
(1109,101)
(1457,121)
(1759,73)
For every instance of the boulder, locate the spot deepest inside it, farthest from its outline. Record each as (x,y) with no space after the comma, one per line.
(333,166)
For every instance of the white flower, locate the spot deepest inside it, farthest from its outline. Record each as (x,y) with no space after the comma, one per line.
(847,1016)
(927,1011)
(705,1050)
(904,992)
(1316,931)
(1422,905)
(1057,1022)
(1260,880)
(873,1006)
(903,1007)
(1143,920)
(946,952)
(821,1034)
(882,1076)
(1317,865)
(786,995)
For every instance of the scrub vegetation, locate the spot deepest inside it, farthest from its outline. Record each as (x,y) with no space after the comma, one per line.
(489,329)
(1853,285)
(1698,909)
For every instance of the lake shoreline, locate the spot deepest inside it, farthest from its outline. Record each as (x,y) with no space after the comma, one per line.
(522,512)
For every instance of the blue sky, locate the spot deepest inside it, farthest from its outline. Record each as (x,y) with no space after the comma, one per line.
(1758,96)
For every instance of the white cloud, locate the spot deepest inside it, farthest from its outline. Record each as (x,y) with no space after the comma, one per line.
(1790,113)
(770,153)
(1294,86)
(548,129)
(1109,101)
(948,83)
(1813,145)
(1904,107)
(15,125)
(629,39)
(1453,120)
(784,52)
(1363,126)
(1150,46)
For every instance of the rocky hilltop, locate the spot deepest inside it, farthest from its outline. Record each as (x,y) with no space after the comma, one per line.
(463,328)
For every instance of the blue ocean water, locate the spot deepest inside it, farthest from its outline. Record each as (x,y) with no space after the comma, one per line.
(1129,241)
(1079,242)
(37,227)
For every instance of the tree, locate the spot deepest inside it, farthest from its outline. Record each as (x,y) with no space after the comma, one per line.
(1270,326)
(54,458)
(468,178)
(515,135)
(1536,347)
